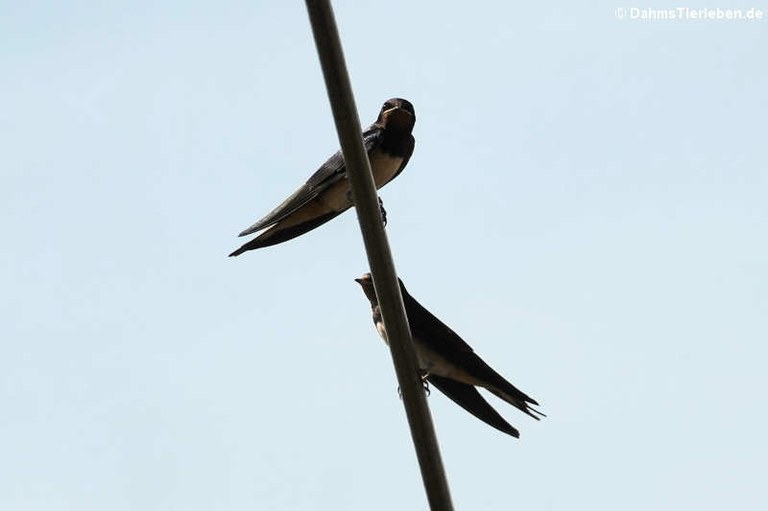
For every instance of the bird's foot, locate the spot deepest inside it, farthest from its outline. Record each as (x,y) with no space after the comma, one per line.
(424,383)
(383,212)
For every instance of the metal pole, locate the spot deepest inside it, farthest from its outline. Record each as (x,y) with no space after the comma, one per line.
(379,256)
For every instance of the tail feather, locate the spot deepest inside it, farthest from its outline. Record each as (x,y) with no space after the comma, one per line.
(470,399)
(522,404)
(278,234)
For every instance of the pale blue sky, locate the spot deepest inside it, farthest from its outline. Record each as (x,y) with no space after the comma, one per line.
(586,206)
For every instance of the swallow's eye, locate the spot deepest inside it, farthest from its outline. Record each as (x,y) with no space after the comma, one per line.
(386,105)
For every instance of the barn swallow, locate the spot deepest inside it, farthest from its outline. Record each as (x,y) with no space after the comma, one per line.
(326,194)
(450,364)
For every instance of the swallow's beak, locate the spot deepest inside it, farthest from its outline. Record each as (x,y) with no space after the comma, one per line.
(363,279)
(390,110)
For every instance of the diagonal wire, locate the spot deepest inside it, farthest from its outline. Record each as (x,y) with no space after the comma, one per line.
(379,255)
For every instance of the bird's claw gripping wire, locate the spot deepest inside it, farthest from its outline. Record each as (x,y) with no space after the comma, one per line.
(424,382)
(383,211)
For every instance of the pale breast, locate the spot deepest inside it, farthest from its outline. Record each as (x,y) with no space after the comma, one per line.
(338,197)
(384,167)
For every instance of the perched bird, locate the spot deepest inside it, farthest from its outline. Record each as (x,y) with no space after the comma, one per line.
(451,365)
(326,194)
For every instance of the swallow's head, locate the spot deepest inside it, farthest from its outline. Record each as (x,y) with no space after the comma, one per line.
(366,282)
(397,113)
